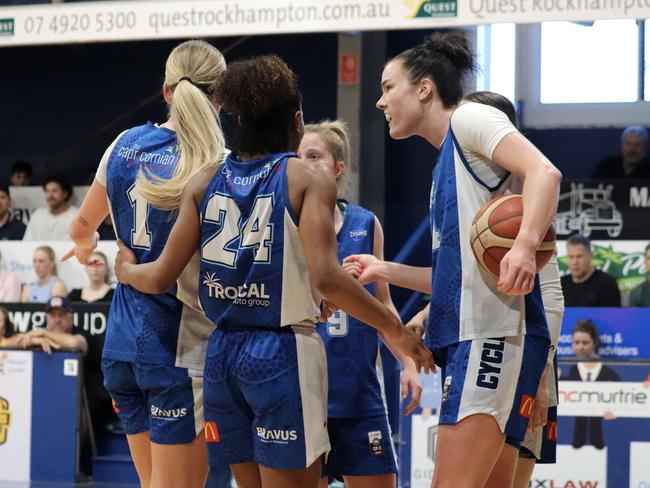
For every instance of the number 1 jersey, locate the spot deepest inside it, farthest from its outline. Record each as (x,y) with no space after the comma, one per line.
(253,269)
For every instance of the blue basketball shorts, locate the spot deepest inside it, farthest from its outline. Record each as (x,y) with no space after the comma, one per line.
(162,400)
(497,377)
(266,397)
(361,446)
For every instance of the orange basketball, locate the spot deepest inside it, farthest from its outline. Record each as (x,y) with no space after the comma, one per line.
(495,228)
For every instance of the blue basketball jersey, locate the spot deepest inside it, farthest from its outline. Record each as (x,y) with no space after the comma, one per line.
(142,328)
(353,360)
(465,304)
(253,269)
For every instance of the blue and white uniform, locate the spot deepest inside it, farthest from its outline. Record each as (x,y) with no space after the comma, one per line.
(155,344)
(265,371)
(492,348)
(358,421)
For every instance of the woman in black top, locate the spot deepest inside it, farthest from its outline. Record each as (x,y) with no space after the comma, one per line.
(99,288)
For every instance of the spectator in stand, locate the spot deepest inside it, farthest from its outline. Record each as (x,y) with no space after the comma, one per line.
(586,286)
(48,285)
(10,229)
(632,162)
(99,288)
(640,295)
(21,173)
(58,332)
(51,223)
(7,329)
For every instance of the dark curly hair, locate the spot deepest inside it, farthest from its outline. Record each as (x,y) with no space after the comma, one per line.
(263,92)
(445,58)
(588,327)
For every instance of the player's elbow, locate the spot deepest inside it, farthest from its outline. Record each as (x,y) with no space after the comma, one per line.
(552,174)
(78,232)
(325,281)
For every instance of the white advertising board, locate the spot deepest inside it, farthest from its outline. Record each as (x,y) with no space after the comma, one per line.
(15,415)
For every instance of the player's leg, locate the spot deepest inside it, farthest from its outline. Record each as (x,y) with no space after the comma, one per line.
(178,452)
(503,473)
(180,465)
(372,481)
(524,472)
(130,405)
(140,448)
(458,464)
(323,482)
(247,474)
(292,478)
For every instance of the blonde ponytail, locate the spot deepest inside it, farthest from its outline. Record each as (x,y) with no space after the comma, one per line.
(336,136)
(192,71)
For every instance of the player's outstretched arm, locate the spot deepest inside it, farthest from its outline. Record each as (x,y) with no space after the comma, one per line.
(83,230)
(540,197)
(367,268)
(316,230)
(158,276)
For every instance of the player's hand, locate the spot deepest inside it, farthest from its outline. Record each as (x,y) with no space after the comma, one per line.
(83,254)
(327,309)
(417,326)
(410,380)
(123,258)
(517,273)
(407,342)
(365,267)
(539,412)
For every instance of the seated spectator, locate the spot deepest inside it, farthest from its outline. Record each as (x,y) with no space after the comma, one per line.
(51,223)
(58,330)
(48,285)
(99,288)
(7,329)
(632,162)
(586,286)
(21,173)
(10,229)
(640,295)
(9,286)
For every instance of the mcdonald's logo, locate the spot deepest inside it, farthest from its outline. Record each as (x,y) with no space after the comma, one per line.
(116,409)
(211,432)
(5,419)
(551,431)
(526,405)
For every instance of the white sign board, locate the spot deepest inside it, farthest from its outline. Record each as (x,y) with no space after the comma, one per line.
(639,464)
(15,415)
(584,468)
(595,398)
(26,199)
(114,21)
(424,430)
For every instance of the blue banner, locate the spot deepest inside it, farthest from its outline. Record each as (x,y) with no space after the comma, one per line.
(624,332)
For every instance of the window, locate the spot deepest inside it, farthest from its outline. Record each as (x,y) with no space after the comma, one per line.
(495,45)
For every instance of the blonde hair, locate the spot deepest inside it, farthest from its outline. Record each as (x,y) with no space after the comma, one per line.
(192,71)
(50,253)
(336,136)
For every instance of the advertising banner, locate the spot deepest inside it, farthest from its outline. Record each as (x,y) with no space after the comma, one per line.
(603,398)
(15,415)
(575,468)
(26,199)
(114,21)
(623,332)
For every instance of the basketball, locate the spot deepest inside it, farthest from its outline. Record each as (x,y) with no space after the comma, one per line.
(495,228)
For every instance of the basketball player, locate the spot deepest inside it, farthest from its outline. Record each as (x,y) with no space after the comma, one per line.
(362,450)
(479,329)
(159,404)
(264,224)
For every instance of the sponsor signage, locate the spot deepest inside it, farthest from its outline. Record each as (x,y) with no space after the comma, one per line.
(602,209)
(576,468)
(639,468)
(424,431)
(597,398)
(623,331)
(15,415)
(113,21)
